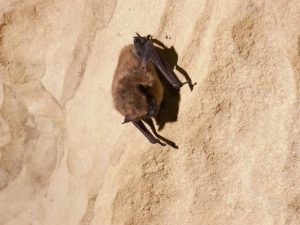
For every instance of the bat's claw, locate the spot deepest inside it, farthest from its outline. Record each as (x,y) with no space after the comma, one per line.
(191,85)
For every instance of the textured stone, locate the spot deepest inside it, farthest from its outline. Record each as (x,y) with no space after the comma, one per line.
(66,159)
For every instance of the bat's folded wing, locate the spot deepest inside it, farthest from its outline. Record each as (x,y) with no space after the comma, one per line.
(160,63)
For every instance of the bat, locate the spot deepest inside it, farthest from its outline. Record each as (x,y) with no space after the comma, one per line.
(136,88)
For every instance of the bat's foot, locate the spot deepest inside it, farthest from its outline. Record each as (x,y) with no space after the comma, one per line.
(157,141)
(167,142)
(191,85)
(161,143)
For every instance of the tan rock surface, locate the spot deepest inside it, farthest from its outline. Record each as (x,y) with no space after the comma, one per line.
(66,159)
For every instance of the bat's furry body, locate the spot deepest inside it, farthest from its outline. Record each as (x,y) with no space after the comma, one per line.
(136,89)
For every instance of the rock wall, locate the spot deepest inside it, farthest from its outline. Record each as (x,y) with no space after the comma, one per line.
(66,159)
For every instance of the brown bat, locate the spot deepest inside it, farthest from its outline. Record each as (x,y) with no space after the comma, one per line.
(136,89)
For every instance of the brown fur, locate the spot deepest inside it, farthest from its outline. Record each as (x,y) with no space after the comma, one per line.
(128,75)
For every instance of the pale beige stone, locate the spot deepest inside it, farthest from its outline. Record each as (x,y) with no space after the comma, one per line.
(66,159)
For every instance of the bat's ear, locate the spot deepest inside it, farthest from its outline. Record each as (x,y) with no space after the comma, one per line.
(127,119)
(149,37)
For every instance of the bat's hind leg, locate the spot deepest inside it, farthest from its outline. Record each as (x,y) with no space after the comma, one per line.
(151,124)
(140,125)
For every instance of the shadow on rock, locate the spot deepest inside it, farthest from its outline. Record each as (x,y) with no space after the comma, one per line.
(170,105)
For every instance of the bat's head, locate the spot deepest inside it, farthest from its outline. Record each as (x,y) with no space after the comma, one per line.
(140,42)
